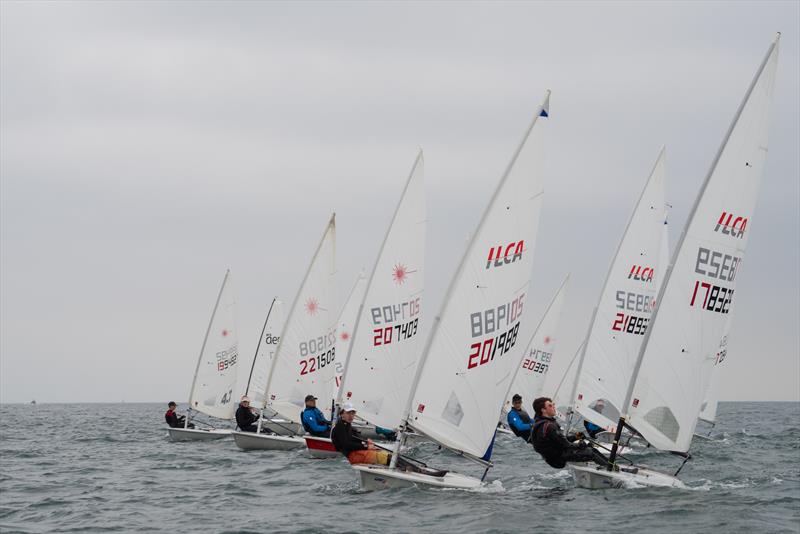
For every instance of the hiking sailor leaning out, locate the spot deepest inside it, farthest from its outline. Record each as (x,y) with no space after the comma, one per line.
(550,442)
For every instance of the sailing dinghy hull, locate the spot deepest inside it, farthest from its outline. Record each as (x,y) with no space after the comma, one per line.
(193,434)
(282,427)
(250,441)
(321,448)
(592,476)
(377,477)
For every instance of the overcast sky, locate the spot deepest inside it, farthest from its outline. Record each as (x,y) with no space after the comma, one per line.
(145,147)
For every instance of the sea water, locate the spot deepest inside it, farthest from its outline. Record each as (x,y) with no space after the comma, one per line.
(112,468)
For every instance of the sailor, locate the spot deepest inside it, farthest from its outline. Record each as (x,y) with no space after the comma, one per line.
(246,417)
(518,419)
(174,420)
(550,442)
(313,421)
(591,428)
(347,440)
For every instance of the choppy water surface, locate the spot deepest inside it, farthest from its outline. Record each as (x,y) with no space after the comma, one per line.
(95,467)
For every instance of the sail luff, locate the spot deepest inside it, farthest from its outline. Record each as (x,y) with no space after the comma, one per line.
(258,346)
(534,196)
(690,219)
(330,227)
(417,162)
(205,339)
(669,425)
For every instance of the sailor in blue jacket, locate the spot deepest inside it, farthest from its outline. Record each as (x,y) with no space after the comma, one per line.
(518,419)
(313,420)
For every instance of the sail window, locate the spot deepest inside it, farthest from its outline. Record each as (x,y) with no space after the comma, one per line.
(453,413)
(664,421)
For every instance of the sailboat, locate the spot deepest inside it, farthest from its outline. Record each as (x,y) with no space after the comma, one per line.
(533,371)
(259,370)
(319,447)
(470,357)
(690,325)
(215,374)
(621,317)
(305,359)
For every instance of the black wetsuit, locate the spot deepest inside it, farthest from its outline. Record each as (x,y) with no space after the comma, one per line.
(556,449)
(346,439)
(246,419)
(174,420)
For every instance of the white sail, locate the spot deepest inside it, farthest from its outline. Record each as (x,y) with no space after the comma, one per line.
(696,304)
(538,357)
(387,340)
(306,356)
(345,327)
(215,376)
(562,396)
(624,309)
(708,410)
(256,387)
(473,349)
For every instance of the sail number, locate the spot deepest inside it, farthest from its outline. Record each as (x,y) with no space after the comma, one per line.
(384,336)
(539,366)
(485,351)
(319,344)
(310,365)
(227,358)
(630,324)
(716,298)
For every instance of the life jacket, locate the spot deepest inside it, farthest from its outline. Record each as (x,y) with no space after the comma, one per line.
(523,415)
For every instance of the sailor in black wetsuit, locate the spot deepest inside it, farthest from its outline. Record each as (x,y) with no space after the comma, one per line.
(174,420)
(550,442)
(246,417)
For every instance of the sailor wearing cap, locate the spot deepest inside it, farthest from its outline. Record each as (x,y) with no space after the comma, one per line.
(347,440)
(246,416)
(518,419)
(313,420)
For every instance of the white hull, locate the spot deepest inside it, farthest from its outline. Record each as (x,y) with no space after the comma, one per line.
(249,441)
(377,477)
(193,434)
(591,476)
(282,427)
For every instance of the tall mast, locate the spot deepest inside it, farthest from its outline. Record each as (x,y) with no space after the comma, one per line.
(582,358)
(629,395)
(420,160)
(258,346)
(205,339)
(541,110)
(331,224)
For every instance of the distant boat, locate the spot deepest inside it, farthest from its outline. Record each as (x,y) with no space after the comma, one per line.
(215,375)
(33,401)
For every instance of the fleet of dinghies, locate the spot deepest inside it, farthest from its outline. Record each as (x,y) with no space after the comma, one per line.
(646,370)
